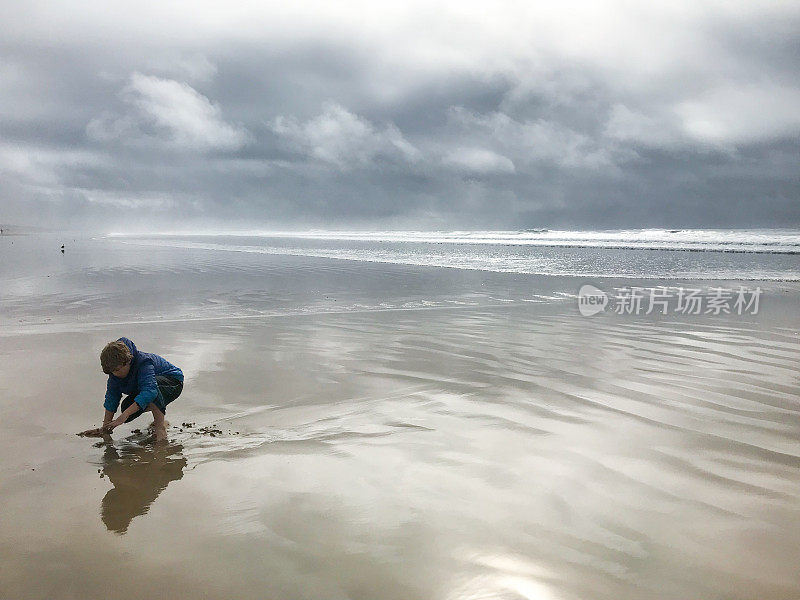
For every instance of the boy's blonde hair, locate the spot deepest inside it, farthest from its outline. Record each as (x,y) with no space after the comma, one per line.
(115,355)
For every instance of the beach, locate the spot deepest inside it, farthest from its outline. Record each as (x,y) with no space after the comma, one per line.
(356,424)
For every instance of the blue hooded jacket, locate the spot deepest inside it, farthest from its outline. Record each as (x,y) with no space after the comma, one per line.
(141,378)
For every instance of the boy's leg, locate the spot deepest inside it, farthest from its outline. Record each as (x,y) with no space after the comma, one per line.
(159,424)
(168,390)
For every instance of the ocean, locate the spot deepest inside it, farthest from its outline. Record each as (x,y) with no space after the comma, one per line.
(650,253)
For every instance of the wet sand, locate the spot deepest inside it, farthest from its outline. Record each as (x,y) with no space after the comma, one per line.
(390,431)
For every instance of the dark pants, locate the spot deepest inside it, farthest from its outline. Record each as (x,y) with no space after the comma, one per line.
(169,388)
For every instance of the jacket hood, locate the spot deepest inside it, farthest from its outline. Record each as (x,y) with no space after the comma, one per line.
(135,358)
(131,346)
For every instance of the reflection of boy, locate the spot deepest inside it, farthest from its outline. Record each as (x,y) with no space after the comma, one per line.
(150,381)
(138,475)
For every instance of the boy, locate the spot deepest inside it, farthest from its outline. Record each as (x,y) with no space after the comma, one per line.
(149,380)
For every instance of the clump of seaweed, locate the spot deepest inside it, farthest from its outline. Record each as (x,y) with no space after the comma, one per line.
(210,430)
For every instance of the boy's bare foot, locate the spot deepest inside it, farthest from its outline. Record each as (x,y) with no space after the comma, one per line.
(161,432)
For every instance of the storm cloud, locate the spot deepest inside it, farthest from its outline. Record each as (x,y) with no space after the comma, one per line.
(407,115)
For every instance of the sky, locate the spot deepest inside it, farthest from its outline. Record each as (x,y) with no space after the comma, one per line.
(426,115)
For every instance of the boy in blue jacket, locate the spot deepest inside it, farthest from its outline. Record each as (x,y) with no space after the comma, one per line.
(150,382)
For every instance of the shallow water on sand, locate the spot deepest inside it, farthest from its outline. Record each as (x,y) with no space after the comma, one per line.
(441,436)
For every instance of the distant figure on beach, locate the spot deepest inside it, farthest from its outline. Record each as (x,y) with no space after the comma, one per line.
(150,382)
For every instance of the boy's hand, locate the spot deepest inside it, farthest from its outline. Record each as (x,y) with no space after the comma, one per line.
(100,431)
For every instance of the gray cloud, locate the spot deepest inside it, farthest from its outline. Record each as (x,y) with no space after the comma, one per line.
(443,114)
(478,160)
(340,138)
(166,112)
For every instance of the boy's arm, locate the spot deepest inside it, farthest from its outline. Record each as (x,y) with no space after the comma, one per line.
(108,416)
(111,424)
(148,387)
(113,396)
(148,390)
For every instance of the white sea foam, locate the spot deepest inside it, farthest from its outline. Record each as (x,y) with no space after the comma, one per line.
(785,241)
(554,260)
